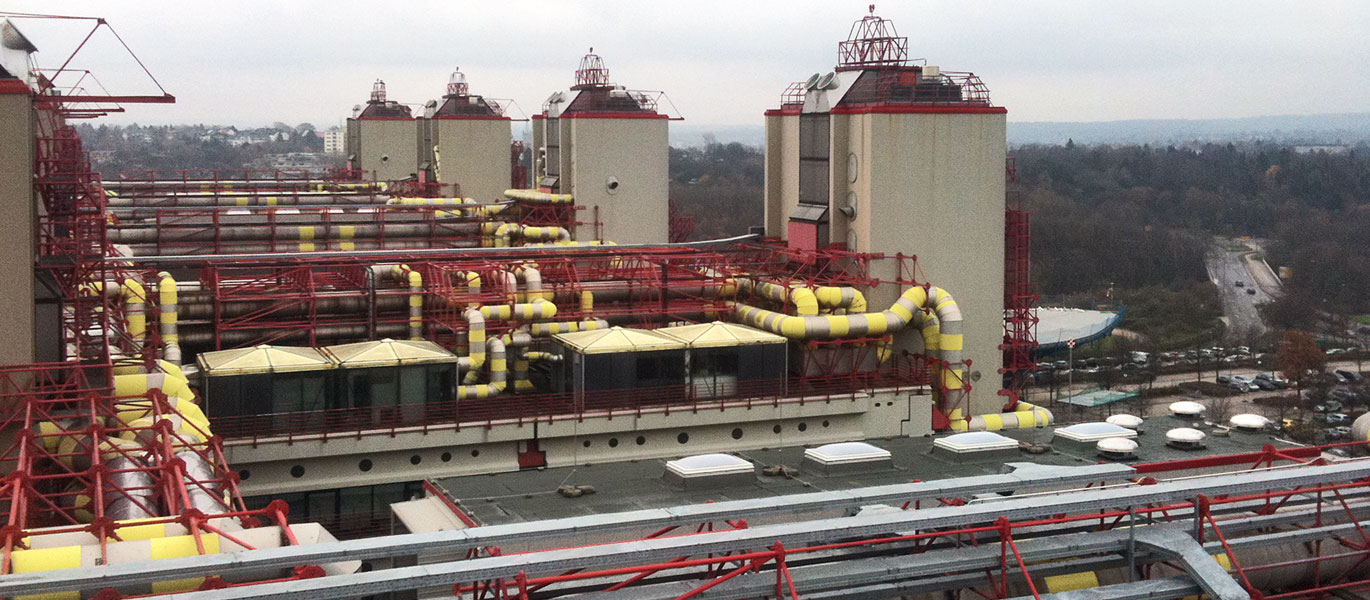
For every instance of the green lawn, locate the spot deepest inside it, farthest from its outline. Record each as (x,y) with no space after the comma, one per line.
(1362,319)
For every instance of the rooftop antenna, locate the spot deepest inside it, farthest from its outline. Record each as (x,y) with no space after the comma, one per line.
(456,84)
(378,92)
(592,72)
(872,42)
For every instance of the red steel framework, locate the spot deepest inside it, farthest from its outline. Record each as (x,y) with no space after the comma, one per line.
(1020,320)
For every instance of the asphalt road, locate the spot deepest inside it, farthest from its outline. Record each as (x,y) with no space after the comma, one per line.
(1227,268)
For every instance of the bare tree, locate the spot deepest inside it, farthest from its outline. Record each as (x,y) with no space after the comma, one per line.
(1220,408)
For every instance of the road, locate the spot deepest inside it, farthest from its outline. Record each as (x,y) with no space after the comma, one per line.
(1226,268)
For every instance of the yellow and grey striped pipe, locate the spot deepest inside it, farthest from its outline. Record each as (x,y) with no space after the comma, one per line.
(532,284)
(536,197)
(1024,416)
(475,345)
(405,275)
(166,296)
(135,312)
(550,329)
(900,314)
(537,310)
(499,375)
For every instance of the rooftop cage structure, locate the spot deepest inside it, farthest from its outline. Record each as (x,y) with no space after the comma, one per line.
(872,42)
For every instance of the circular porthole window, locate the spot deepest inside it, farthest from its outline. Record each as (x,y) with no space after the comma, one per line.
(365,465)
(737,433)
(611,185)
(297,471)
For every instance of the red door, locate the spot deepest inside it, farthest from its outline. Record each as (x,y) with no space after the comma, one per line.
(530,457)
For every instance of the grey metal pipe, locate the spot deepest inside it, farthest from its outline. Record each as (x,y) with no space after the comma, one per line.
(511,253)
(287,233)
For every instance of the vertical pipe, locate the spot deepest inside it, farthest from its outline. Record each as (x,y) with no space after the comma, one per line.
(171,342)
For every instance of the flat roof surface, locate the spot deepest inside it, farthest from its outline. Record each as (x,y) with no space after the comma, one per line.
(530,495)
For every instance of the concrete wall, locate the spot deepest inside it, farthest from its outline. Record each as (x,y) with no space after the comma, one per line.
(782,171)
(387,149)
(635,152)
(17,201)
(478,450)
(474,153)
(935,187)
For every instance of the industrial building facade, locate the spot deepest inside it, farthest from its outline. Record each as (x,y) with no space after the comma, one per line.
(525,391)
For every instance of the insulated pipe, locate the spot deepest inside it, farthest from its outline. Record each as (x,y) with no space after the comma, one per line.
(537,310)
(558,234)
(587,302)
(536,197)
(217,199)
(404,275)
(1025,416)
(899,314)
(277,249)
(807,300)
(288,233)
(475,344)
(499,375)
(171,342)
(497,234)
(550,329)
(544,356)
(521,381)
(569,248)
(532,283)
(431,201)
(135,312)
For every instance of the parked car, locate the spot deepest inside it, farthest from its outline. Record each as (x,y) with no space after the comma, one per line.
(1265,384)
(1333,433)
(1350,375)
(1240,283)
(1251,291)
(1224,379)
(1337,417)
(1328,406)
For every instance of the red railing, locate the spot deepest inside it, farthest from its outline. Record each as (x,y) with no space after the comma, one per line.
(905,373)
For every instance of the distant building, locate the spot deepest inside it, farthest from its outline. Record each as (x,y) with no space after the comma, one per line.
(333,140)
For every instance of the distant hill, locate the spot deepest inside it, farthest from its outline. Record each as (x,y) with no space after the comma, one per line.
(1329,129)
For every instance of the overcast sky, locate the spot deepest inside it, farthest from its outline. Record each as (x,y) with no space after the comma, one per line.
(250,62)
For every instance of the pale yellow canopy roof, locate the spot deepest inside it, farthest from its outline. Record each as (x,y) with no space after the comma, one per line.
(388,353)
(720,334)
(262,359)
(618,339)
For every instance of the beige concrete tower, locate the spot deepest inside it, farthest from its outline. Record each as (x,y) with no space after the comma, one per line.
(383,138)
(470,142)
(17,203)
(608,147)
(886,157)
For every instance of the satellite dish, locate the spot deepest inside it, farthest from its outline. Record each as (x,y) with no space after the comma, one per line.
(828,82)
(812,81)
(356,109)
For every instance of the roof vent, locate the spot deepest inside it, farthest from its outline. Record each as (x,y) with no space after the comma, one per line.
(1093,432)
(1185,438)
(1187,409)
(1248,423)
(846,457)
(975,442)
(1116,448)
(708,470)
(1129,421)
